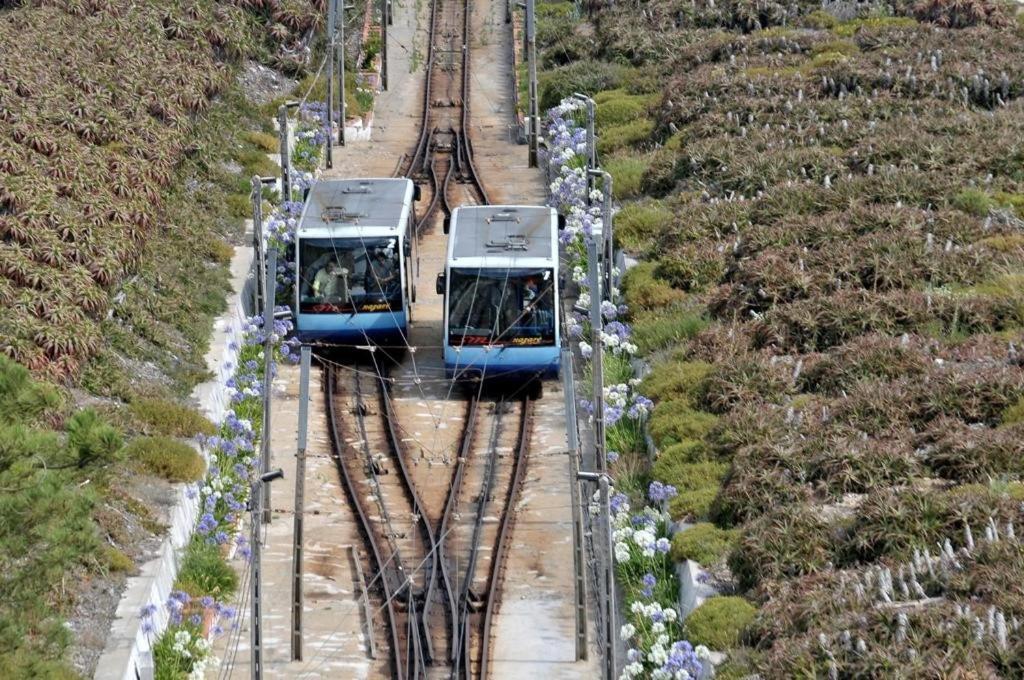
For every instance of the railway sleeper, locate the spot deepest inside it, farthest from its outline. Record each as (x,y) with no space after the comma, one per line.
(475,601)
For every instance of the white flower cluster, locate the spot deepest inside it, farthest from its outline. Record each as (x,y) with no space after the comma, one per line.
(616,395)
(627,537)
(566,106)
(215,486)
(200,666)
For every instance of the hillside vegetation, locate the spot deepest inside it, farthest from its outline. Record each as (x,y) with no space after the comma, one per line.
(833,215)
(99,107)
(127,141)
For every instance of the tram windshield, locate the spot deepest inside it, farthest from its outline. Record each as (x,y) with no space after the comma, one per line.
(501,307)
(345,275)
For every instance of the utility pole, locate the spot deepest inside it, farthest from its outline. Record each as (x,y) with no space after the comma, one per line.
(340,19)
(531,58)
(385,19)
(331,9)
(256,568)
(591,145)
(257,240)
(607,243)
(286,174)
(610,636)
(594,281)
(579,559)
(255,578)
(300,502)
(268,365)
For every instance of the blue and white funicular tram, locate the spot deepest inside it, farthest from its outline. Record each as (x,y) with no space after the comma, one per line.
(501,300)
(353,262)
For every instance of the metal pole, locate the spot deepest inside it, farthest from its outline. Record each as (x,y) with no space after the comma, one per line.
(256,623)
(385,19)
(594,280)
(286,180)
(609,244)
(331,9)
(300,503)
(591,142)
(268,363)
(531,58)
(610,623)
(579,561)
(257,240)
(340,18)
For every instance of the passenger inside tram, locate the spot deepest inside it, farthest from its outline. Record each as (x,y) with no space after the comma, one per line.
(492,306)
(341,275)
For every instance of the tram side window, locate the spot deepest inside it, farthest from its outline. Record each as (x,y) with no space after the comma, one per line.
(492,306)
(346,275)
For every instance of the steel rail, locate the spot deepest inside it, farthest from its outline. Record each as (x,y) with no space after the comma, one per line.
(505,530)
(462,659)
(436,564)
(462,669)
(365,525)
(453,494)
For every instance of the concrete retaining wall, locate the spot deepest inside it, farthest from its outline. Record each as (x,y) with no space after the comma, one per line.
(128,655)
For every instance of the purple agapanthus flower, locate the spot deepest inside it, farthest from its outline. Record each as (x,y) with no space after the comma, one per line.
(659,492)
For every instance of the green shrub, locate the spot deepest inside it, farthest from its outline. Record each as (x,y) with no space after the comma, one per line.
(643,289)
(239,205)
(681,381)
(693,269)
(1014,414)
(92,439)
(205,572)
(1001,243)
(160,416)
(617,137)
(19,443)
(586,77)
(116,560)
(848,28)
(263,140)
(674,421)
(719,622)
(169,458)
(704,543)
(973,201)
(790,541)
(640,224)
(256,162)
(696,484)
(687,451)
(660,329)
(819,19)
(693,504)
(616,107)
(21,398)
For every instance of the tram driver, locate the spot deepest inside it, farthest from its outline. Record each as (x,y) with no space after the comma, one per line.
(331,283)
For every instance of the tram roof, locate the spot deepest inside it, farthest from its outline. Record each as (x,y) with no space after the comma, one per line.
(506,231)
(336,203)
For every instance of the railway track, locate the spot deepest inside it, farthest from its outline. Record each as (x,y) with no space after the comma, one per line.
(443,156)
(477,522)
(439,577)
